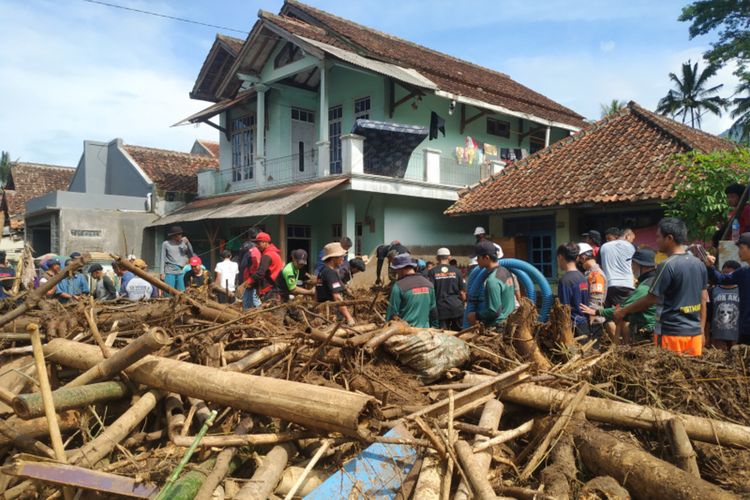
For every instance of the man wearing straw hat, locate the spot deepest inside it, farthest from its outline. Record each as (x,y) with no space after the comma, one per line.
(329,287)
(175,254)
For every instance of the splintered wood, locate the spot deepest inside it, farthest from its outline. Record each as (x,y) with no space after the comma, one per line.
(112,399)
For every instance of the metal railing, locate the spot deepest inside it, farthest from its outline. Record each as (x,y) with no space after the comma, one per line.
(454,174)
(290,168)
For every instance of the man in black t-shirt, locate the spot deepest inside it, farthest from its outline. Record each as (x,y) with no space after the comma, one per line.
(384,252)
(329,287)
(450,291)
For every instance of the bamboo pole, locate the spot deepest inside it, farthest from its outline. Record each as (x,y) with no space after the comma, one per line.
(245,439)
(644,475)
(267,476)
(490,419)
(223,463)
(302,477)
(682,450)
(504,436)
(29,406)
(258,357)
(305,404)
(153,340)
(629,414)
(290,476)
(477,479)
(49,406)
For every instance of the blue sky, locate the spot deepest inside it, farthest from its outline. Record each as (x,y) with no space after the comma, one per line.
(73,70)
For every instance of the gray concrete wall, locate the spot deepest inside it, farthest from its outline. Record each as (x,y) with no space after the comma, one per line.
(105,231)
(122,177)
(67,199)
(78,182)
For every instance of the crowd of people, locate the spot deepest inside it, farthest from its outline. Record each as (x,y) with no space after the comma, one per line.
(673,295)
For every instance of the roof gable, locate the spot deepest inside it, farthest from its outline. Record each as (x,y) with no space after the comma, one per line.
(31,180)
(218,61)
(625,157)
(171,170)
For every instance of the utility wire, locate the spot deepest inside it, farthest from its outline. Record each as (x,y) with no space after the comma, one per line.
(156,14)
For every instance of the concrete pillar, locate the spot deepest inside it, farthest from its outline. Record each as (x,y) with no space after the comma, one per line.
(323,144)
(431,160)
(260,134)
(282,237)
(546,136)
(352,154)
(349,221)
(207,182)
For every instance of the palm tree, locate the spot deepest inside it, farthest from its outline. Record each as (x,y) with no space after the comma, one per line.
(612,107)
(740,129)
(690,99)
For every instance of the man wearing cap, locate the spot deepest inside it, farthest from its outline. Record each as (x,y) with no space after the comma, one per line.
(264,279)
(741,278)
(288,278)
(597,286)
(412,296)
(175,253)
(450,292)
(640,325)
(197,275)
(53,267)
(104,287)
(678,291)
(74,286)
(249,264)
(497,298)
(481,235)
(594,238)
(349,268)
(388,252)
(329,287)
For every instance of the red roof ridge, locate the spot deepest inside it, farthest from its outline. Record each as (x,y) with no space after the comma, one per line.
(40,165)
(160,150)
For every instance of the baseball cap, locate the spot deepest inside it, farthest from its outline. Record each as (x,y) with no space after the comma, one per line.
(357,264)
(402,260)
(744,239)
(300,256)
(485,248)
(263,237)
(479,230)
(195,261)
(584,247)
(75,255)
(645,257)
(443,252)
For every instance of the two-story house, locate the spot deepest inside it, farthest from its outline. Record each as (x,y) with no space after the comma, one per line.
(330,128)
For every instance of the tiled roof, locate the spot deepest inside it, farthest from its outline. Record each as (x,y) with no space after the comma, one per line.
(171,170)
(210,146)
(31,180)
(234,44)
(451,74)
(625,157)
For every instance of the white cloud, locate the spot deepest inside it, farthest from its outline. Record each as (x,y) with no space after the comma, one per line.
(78,71)
(607,46)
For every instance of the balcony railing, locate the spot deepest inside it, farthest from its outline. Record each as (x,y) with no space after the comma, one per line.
(290,168)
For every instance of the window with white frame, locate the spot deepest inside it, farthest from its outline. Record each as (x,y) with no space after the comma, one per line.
(335,115)
(362,108)
(303,115)
(243,147)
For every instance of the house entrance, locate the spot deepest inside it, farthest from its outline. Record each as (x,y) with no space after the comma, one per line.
(303,141)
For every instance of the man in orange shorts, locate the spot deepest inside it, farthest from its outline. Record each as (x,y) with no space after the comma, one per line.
(678,291)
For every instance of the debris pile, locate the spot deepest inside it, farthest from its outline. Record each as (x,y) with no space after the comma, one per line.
(188,398)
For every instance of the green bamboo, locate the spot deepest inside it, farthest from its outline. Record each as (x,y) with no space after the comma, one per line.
(28,406)
(190,484)
(165,491)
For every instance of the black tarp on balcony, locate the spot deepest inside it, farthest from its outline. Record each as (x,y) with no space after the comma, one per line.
(388,146)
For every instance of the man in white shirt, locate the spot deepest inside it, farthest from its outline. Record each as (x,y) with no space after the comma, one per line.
(616,255)
(226,275)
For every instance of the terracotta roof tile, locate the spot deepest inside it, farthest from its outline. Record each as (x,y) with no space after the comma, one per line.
(625,157)
(449,73)
(234,44)
(171,170)
(31,180)
(210,146)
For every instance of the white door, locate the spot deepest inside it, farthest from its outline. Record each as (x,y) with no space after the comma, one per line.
(303,143)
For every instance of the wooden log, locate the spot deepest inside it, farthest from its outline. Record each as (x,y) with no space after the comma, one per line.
(95,450)
(267,476)
(490,418)
(524,319)
(561,469)
(305,404)
(24,442)
(37,427)
(29,406)
(258,357)
(393,328)
(628,414)
(644,475)
(234,440)
(505,436)
(604,487)
(475,476)
(430,478)
(682,450)
(223,464)
(292,474)
(308,468)
(151,341)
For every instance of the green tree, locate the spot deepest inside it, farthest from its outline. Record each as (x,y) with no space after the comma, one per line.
(691,99)
(740,129)
(611,107)
(4,168)
(699,197)
(731,18)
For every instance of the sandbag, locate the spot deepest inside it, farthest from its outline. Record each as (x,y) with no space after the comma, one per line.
(430,354)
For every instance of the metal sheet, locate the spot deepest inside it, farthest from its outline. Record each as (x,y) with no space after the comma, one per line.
(215,109)
(277,201)
(406,75)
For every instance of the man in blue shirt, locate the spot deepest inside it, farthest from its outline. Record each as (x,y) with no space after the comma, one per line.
(741,278)
(73,287)
(573,288)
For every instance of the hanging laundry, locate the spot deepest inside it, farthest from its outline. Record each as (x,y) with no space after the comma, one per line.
(518,153)
(460,155)
(504,154)
(437,124)
(490,149)
(470,150)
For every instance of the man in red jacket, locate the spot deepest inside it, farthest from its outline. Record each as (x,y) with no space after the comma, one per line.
(249,265)
(270,267)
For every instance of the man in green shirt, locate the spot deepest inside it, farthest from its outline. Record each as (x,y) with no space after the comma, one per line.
(412,296)
(499,295)
(641,324)
(287,279)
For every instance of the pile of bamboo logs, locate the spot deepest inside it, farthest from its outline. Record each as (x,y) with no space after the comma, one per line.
(186,398)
